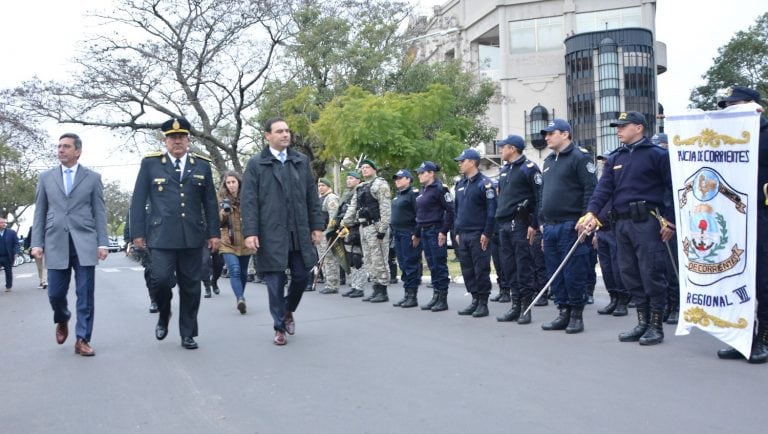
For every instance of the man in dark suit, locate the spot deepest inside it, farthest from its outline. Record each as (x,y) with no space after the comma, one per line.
(9,249)
(70,229)
(183,216)
(282,218)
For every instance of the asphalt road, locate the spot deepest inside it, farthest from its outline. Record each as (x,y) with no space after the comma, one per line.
(354,367)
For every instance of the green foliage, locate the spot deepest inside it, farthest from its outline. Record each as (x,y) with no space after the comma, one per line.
(742,61)
(395,130)
(17,183)
(117,203)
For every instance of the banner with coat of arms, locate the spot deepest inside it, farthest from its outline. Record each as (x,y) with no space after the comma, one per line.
(713,156)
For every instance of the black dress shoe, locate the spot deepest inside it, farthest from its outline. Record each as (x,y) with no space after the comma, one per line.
(161,330)
(188,343)
(153,307)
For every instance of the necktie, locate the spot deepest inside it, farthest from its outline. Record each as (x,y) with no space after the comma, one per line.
(178,167)
(281,155)
(68,181)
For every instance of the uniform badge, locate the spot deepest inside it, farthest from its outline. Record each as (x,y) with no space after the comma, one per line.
(591,167)
(531,164)
(198,176)
(448,197)
(490,193)
(537,179)
(618,166)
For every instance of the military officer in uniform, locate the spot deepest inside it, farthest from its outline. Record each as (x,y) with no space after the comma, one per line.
(352,243)
(568,179)
(406,238)
(519,195)
(371,208)
(434,216)
(183,217)
(329,203)
(743,95)
(475,211)
(637,178)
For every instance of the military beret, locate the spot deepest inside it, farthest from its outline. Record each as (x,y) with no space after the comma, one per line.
(355,174)
(325,181)
(370,163)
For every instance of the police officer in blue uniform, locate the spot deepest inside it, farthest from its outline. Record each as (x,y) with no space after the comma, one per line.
(404,232)
(434,217)
(743,95)
(475,212)
(519,195)
(183,217)
(568,179)
(638,180)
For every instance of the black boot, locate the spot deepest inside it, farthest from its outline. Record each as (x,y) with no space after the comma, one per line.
(760,349)
(469,310)
(431,302)
(729,353)
(674,315)
(525,318)
(638,331)
(402,300)
(482,306)
(503,296)
(655,333)
(207,291)
(442,302)
(590,294)
(608,309)
(543,300)
(562,320)
(373,294)
(576,322)
(410,299)
(622,302)
(380,294)
(513,313)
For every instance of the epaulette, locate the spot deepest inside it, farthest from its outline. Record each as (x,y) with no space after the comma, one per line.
(202,157)
(415,190)
(584,150)
(154,154)
(530,164)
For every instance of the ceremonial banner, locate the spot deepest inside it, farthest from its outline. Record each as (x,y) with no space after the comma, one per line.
(713,156)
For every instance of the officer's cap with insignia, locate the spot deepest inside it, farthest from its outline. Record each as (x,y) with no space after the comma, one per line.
(428,166)
(516,141)
(625,118)
(468,154)
(370,163)
(557,124)
(739,93)
(176,125)
(355,174)
(403,173)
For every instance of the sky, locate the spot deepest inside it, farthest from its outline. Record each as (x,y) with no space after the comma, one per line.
(41,37)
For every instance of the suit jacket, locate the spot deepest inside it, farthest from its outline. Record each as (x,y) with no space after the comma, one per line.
(183,211)
(81,216)
(268,192)
(10,242)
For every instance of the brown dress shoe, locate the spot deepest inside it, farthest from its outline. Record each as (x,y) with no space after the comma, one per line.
(290,324)
(280,338)
(83,348)
(62,331)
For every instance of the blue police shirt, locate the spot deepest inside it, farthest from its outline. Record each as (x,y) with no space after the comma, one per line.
(475,205)
(434,207)
(519,180)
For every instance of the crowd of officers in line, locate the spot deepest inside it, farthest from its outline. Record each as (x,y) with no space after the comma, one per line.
(528,221)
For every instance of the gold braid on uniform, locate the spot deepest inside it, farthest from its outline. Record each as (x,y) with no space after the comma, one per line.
(202,157)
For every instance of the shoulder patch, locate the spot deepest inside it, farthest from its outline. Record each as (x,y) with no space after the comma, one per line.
(591,167)
(202,157)
(530,164)
(154,154)
(583,149)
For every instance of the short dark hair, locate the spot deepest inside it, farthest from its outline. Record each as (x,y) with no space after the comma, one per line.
(270,121)
(75,137)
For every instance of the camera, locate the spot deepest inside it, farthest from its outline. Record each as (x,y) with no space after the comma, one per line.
(226,205)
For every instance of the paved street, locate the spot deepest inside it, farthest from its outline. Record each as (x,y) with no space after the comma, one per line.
(353,367)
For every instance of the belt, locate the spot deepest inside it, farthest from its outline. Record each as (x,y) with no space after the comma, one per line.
(364,224)
(623,215)
(557,222)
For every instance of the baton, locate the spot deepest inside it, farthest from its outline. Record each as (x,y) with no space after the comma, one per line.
(579,240)
(672,258)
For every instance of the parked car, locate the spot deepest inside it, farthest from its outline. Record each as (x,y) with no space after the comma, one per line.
(115,244)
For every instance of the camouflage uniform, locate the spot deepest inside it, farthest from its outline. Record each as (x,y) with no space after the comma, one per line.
(374,226)
(358,277)
(330,264)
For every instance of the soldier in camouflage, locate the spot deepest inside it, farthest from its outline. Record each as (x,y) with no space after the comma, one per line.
(330,205)
(357,277)
(371,208)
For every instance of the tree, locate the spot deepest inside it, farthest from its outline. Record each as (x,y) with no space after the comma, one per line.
(117,203)
(202,59)
(395,130)
(742,61)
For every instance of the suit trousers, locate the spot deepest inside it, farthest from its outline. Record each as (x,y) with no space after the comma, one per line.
(58,286)
(6,263)
(279,302)
(183,266)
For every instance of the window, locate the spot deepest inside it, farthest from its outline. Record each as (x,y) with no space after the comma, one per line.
(539,34)
(610,19)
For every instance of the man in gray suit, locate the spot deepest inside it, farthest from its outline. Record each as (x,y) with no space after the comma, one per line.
(70,229)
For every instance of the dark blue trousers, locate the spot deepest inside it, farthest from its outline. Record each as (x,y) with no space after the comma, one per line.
(516,256)
(408,258)
(475,263)
(538,264)
(762,268)
(608,256)
(503,270)
(643,261)
(437,258)
(279,301)
(570,286)
(182,266)
(58,286)
(6,263)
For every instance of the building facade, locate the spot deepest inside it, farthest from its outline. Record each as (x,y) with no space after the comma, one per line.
(582,60)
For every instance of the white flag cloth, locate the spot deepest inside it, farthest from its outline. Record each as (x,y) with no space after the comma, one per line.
(713,156)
